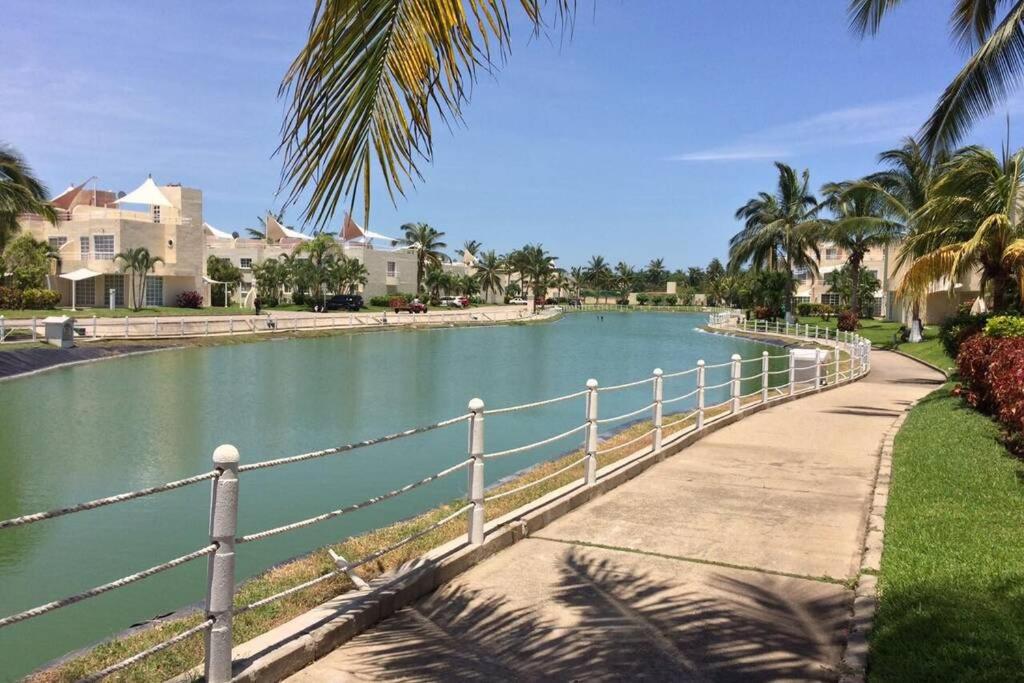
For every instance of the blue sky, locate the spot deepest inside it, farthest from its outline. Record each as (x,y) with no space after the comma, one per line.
(636,139)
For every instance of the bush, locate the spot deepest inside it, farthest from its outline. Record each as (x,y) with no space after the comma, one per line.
(847,321)
(298,298)
(804,309)
(10,298)
(993,370)
(807,309)
(657,299)
(189,299)
(763,313)
(1005,326)
(642,298)
(39,298)
(955,329)
(385,300)
(671,299)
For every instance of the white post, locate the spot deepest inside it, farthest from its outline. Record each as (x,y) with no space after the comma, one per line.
(590,463)
(231,325)
(700,394)
(94,327)
(853,361)
(34,332)
(817,368)
(815,331)
(207,326)
(736,370)
(792,373)
(764,377)
(835,360)
(476,472)
(126,327)
(182,334)
(659,394)
(156,327)
(3,334)
(220,583)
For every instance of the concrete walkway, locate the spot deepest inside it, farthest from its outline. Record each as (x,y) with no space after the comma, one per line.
(729,561)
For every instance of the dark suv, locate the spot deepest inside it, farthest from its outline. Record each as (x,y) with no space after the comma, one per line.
(345,302)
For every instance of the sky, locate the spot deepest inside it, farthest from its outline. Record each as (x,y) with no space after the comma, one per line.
(636,138)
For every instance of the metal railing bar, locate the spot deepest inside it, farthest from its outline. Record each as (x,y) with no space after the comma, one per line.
(520,449)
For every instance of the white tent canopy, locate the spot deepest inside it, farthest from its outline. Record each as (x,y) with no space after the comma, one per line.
(76,276)
(146,193)
(214,232)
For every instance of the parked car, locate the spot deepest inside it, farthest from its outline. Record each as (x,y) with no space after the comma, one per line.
(344,302)
(454,301)
(463,301)
(518,301)
(399,305)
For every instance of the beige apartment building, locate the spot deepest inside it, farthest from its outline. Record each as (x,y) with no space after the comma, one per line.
(940,302)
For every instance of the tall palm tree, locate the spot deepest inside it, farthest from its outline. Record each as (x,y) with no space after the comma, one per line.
(656,273)
(138,263)
(861,221)
(536,267)
(361,90)
(972,221)
(471,247)
(993,69)
(489,269)
(20,192)
(781,230)
(426,242)
(625,277)
(597,272)
(576,278)
(322,252)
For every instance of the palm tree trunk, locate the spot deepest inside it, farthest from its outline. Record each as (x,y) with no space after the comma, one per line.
(855,283)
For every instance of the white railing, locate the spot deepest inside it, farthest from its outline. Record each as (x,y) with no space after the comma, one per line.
(850,359)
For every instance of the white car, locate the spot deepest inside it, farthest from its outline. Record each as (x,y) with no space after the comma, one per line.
(518,301)
(452,301)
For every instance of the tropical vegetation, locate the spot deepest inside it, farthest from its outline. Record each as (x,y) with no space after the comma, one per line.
(137,263)
(21,192)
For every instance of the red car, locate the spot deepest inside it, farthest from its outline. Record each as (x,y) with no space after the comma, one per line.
(400,305)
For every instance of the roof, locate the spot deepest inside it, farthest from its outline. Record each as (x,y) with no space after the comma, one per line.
(351,231)
(276,231)
(146,193)
(214,232)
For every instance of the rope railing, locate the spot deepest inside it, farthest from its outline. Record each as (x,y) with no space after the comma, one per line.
(224,476)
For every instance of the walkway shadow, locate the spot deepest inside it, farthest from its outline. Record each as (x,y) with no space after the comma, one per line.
(602,620)
(867,411)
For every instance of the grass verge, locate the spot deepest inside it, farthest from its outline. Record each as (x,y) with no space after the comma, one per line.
(952,579)
(882,334)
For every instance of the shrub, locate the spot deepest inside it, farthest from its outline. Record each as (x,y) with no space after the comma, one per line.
(955,329)
(385,300)
(189,299)
(762,313)
(10,298)
(622,301)
(298,298)
(40,298)
(657,299)
(807,309)
(993,370)
(642,298)
(847,321)
(1005,326)
(804,309)
(671,299)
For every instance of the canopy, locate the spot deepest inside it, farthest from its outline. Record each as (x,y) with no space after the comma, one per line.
(146,193)
(80,274)
(214,232)
(276,231)
(350,230)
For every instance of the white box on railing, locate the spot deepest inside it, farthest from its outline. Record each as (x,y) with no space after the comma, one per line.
(805,362)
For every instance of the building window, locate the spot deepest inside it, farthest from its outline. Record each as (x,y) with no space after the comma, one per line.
(104,245)
(831,253)
(802,274)
(85,292)
(57,242)
(245,263)
(831,299)
(802,299)
(392,269)
(154,291)
(876,307)
(83,246)
(113,282)
(156,214)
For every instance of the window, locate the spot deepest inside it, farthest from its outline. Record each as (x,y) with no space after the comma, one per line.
(802,299)
(876,307)
(392,269)
(156,214)
(154,291)
(57,242)
(802,274)
(113,282)
(245,263)
(85,292)
(831,253)
(104,245)
(83,246)
(831,299)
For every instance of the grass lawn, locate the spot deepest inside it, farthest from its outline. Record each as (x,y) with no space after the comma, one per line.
(952,580)
(882,333)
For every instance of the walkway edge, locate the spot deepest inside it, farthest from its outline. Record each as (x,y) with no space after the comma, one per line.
(296,644)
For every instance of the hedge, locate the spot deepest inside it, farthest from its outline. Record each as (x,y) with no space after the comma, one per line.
(992,372)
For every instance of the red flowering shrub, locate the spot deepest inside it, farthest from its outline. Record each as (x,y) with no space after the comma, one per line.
(763,313)
(189,299)
(847,321)
(993,372)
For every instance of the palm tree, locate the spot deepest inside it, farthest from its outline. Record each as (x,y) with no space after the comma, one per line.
(256,233)
(138,262)
(471,247)
(437,282)
(576,278)
(780,231)
(861,221)
(984,81)
(323,251)
(360,92)
(972,220)
(426,242)
(656,273)
(20,192)
(597,273)
(625,278)
(489,269)
(536,267)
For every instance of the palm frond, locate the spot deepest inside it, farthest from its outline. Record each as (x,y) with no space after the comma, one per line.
(866,15)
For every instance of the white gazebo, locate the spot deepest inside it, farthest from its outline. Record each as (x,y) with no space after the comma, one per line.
(210,281)
(146,193)
(75,277)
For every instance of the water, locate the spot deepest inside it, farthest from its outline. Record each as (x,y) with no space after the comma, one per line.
(89,431)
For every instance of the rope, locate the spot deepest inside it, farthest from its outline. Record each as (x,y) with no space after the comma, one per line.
(776,372)
(719,365)
(679,374)
(680,398)
(682,419)
(637,383)
(286,593)
(99,590)
(520,449)
(537,404)
(351,508)
(625,415)
(750,360)
(100,502)
(754,376)
(534,483)
(408,539)
(352,446)
(718,386)
(125,663)
(625,443)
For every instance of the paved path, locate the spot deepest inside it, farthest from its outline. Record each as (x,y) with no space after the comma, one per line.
(725,562)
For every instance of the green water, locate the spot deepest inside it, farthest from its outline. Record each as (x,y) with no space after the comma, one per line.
(89,431)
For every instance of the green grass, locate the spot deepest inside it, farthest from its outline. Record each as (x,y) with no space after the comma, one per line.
(952,579)
(882,334)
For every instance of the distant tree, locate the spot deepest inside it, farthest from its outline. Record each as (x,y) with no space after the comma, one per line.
(625,278)
(138,263)
(488,274)
(27,259)
(426,243)
(471,247)
(222,270)
(20,193)
(861,289)
(655,274)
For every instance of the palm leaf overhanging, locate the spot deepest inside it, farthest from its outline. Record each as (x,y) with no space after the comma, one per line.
(361,92)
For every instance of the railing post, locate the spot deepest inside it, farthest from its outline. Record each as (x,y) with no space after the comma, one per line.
(815,331)
(817,368)
(220,583)
(590,463)
(94,327)
(34,332)
(207,327)
(792,373)
(835,359)
(659,395)
(182,330)
(231,325)
(3,334)
(853,360)
(700,394)
(735,384)
(787,327)
(476,471)
(764,377)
